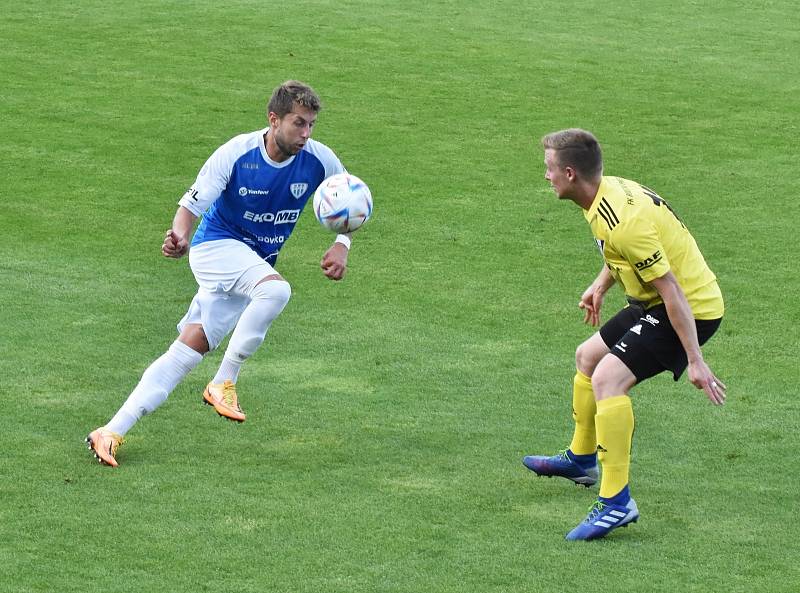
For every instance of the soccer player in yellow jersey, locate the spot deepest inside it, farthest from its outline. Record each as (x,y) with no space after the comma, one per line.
(674,306)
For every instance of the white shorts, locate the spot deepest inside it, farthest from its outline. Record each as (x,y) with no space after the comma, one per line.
(226,272)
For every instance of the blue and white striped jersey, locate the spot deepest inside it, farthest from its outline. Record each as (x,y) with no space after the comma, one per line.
(243,194)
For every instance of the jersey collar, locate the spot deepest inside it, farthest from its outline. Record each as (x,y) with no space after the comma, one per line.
(601,191)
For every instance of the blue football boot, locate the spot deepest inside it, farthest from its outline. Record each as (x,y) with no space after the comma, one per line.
(603,518)
(563,466)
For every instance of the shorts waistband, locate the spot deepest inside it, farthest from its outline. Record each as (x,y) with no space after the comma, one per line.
(636,303)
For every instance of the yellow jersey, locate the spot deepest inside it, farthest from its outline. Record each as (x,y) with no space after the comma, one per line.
(642,239)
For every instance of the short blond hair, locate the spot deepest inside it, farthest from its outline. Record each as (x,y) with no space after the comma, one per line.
(578,149)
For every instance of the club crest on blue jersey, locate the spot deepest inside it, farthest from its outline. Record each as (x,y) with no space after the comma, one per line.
(298,189)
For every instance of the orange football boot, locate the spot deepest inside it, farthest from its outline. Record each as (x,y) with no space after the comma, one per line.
(103,443)
(224,399)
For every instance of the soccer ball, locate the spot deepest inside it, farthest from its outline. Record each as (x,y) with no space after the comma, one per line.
(342,203)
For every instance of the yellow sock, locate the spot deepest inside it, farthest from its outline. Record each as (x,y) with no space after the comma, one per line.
(614,422)
(584,440)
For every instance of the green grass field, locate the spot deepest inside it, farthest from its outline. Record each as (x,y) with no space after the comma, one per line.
(388,413)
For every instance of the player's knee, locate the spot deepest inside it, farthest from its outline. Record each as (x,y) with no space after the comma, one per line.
(611,377)
(275,292)
(194,336)
(586,359)
(600,384)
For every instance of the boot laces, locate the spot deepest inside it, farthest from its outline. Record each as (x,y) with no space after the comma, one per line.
(229,395)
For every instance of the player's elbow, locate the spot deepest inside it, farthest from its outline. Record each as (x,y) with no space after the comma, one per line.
(666,285)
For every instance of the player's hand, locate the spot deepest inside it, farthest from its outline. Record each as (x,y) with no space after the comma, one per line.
(174,245)
(591,302)
(703,378)
(334,262)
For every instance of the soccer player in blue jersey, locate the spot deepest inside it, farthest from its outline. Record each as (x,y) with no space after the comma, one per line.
(674,306)
(250,194)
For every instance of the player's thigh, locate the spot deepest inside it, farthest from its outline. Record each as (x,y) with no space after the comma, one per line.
(612,377)
(255,275)
(665,352)
(226,272)
(649,347)
(227,266)
(215,312)
(592,351)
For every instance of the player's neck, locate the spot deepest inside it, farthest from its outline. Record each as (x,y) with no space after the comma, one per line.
(585,192)
(273,150)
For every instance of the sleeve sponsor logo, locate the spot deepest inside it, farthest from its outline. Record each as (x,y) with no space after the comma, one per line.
(649,261)
(191,194)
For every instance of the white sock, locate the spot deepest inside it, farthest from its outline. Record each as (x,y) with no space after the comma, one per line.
(228,370)
(268,300)
(156,384)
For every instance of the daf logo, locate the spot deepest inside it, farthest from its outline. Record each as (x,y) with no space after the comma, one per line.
(649,261)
